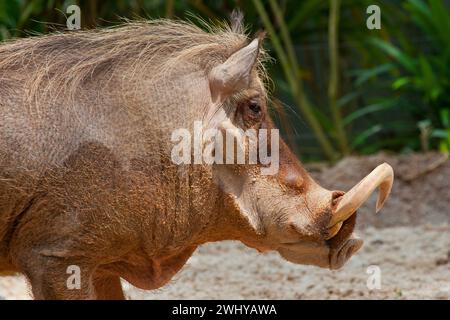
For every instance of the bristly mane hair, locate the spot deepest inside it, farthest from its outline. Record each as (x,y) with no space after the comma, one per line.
(63,62)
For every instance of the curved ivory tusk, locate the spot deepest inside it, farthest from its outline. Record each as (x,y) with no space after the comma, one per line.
(382,176)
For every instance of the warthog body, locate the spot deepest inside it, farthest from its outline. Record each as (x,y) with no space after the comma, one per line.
(86,176)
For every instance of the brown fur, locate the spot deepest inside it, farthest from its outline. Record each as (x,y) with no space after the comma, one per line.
(85,171)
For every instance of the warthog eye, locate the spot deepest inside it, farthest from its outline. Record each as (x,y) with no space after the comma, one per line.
(255,109)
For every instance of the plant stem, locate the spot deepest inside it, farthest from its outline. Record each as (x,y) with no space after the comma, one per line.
(169,8)
(200,6)
(333,86)
(286,38)
(297,90)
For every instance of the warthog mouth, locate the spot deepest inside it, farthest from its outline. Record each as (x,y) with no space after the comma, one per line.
(330,253)
(338,242)
(344,243)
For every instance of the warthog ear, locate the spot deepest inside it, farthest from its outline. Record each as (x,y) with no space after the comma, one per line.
(237,21)
(235,73)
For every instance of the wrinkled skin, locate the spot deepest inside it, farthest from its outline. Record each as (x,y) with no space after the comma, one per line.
(93,185)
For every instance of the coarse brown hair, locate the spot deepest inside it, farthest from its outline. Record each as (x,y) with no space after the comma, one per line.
(61,63)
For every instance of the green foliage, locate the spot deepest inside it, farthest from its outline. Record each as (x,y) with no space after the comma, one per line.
(421,73)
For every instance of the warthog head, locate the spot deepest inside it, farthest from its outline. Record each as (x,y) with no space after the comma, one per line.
(286,210)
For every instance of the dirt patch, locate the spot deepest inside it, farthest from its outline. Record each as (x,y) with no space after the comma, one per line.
(408,243)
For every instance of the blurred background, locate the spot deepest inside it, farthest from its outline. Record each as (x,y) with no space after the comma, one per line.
(342,88)
(346,98)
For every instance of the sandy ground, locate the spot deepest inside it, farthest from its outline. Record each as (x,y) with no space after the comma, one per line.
(408,243)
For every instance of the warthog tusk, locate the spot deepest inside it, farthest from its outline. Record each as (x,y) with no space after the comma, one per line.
(382,176)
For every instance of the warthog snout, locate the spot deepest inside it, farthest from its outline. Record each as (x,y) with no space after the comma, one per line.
(334,245)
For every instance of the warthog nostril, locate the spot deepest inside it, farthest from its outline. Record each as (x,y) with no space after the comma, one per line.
(340,256)
(336,197)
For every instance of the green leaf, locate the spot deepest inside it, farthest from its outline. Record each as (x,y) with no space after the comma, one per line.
(306,10)
(367,110)
(440,133)
(363,136)
(441,19)
(347,98)
(445,117)
(9,12)
(401,82)
(365,75)
(427,79)
(325,121)
(444,147)
(26,13)
(406,61)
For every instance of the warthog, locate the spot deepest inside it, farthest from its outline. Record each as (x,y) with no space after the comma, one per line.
(87,181)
